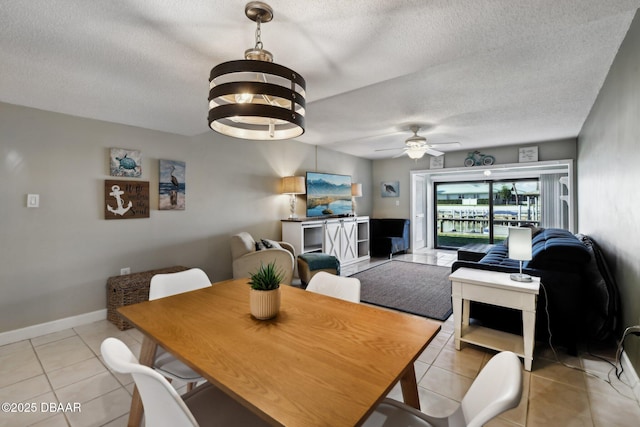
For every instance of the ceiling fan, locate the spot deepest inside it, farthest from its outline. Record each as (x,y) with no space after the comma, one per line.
(416,146)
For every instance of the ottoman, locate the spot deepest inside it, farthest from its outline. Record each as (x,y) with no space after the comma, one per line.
(309,264)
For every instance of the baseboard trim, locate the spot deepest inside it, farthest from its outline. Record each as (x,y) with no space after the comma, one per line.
(631,375)
(50,327)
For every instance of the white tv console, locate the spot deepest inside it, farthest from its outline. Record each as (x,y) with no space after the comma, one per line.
(346,238)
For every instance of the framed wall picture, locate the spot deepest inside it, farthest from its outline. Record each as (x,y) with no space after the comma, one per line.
(436,162)
(528,154)
(390,189)
(125,163)
(126,199)
(171,185)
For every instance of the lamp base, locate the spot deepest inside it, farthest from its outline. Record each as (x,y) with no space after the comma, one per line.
(292,206)
(519,277)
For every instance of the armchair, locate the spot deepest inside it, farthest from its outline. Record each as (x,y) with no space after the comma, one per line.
(247,259)
(389,236)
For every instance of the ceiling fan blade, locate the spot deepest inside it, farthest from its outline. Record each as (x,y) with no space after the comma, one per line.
(372,137)
(387,149)
(446,144)
(417,144)
(433,152)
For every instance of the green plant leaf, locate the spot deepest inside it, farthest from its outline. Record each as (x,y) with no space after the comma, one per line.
(266,278)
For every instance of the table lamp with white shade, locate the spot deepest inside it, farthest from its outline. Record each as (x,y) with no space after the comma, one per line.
(356,191)
(520,249)
(293,185)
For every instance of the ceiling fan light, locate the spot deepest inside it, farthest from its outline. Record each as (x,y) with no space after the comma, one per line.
(415,153)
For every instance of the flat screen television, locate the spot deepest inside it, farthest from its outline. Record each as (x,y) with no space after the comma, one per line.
(328,194)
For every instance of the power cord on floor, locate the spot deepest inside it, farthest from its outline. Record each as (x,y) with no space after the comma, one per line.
(631,330)
(635,330)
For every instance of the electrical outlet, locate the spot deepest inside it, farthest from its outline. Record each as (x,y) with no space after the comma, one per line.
(126,270)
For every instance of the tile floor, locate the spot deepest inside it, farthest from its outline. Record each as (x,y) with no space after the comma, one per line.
(66,367)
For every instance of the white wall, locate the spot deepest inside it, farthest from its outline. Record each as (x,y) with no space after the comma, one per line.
(55,260)
(400,169)
(609,177)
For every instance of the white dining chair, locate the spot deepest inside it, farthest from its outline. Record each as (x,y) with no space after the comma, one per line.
(205,405)
(164,285)
(496,389)
(346,288)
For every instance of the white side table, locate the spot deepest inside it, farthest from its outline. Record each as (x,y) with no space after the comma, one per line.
(491,287)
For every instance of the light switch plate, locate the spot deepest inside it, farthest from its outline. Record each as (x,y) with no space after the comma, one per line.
(33,200)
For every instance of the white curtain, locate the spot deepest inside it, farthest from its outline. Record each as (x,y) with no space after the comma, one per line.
(554,198)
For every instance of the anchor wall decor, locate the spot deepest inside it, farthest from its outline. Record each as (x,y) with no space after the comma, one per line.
(126,199)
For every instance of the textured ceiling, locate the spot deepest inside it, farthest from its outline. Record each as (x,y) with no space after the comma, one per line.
(482,73)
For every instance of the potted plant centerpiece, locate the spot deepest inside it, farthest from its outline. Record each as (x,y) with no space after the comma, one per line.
(264,297)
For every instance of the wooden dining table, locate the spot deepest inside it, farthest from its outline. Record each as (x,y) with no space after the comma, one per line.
(322,361)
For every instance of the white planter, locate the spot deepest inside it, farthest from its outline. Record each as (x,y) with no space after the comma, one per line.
(264,304)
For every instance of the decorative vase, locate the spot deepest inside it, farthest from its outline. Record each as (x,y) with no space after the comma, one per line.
(264,304)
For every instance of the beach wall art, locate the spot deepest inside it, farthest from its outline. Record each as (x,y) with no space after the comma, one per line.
(124,162)
(390,189)
(172,185)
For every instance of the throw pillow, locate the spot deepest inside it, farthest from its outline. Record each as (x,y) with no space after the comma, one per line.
(271,244)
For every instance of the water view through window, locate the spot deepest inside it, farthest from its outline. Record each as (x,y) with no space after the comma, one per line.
(482,212)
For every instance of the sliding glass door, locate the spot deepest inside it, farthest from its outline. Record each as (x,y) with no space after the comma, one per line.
(514,203)
(482,212)
(463,212)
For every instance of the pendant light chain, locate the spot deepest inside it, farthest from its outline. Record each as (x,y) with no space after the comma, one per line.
(258,34)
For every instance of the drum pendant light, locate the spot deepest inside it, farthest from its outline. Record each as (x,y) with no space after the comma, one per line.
(254,98)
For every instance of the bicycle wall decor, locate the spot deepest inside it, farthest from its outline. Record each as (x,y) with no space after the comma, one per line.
(475,158)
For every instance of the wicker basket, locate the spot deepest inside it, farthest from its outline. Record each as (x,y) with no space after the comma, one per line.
(130,289)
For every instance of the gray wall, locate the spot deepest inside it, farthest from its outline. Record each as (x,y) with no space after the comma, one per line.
(609,177)
(399,170)
(55,260)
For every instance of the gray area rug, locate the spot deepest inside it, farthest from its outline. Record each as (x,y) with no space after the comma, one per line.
(414,288)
